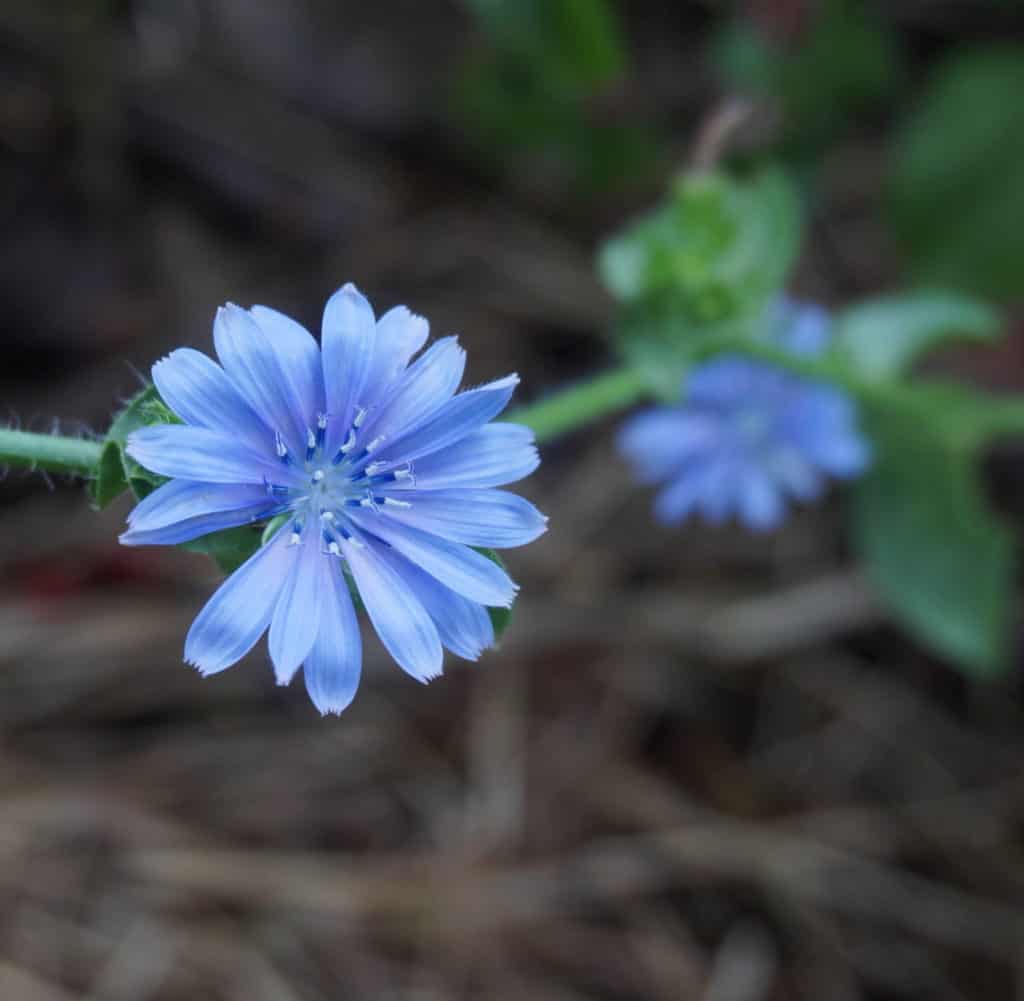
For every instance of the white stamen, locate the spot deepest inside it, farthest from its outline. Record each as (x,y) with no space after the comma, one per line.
(321,421)
(350,443)
(318,475)
(295,539)
(355,543)
(310,438)
(327,515)
(391,502)
(334,549)
(375,444)
(359,417)
(279,445)
(374,468)
(404,473)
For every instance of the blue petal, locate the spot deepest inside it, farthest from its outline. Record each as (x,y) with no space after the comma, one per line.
(192,453)
(180,511)
(802,328)
(494,456)
(719,481)
(430,382)
(462,569)
(473,517)
(401,621)
(198,390)
(180,500)
(658,442)
(464,626)
(298,357)
(195,528)
(347,343)
(726,381)
(794,473)
(451,422)
(240,610)
(333,667)
(255,368)
(759,501)
(678,499)
(296,619)
(400,334)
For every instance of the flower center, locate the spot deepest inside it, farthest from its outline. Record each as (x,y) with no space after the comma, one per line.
(322,492)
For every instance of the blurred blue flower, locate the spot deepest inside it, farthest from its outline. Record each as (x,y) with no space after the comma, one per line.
(748,437)
(383,474)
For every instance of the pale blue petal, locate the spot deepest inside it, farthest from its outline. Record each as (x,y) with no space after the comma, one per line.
(794,473)
(759,501)
(199,391)
(333,667)
(194,528)
(719,488)
(844,456)
(180,500)
(402,623)
(427,384)
(240,610)
(400,334)
(462,569)
(254,367)
(679,498)
(801,328)
(494,456)
(298,357)
(297,614)
(490,518)
(658,442)
(347,345)
(724,382)
(464,626)
(451,422)
(192,453)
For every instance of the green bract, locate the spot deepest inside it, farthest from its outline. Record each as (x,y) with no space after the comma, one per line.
(701,268)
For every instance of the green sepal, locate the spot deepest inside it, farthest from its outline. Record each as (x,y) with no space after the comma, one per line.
(117,471)
(701,268)
(230,547)
(500,617)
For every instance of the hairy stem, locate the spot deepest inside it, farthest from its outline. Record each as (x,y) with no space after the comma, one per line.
(50,452)
(587,401)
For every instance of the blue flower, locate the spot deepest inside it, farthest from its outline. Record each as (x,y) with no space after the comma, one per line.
(748,437)
(385,477)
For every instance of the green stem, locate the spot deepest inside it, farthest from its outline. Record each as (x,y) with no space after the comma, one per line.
(571,408)
(49,452)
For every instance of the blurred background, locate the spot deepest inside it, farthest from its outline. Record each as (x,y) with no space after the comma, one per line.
(703,764)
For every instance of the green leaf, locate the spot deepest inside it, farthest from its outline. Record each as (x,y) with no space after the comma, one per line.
(932,548)
(881,337)
(117,471)
(957,184)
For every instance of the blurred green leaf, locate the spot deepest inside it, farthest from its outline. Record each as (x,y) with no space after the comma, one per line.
(881,337)
(932,548)
(702,267)
(957,186)
(530,100)
(117,471)
(574,45)
(841,60)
